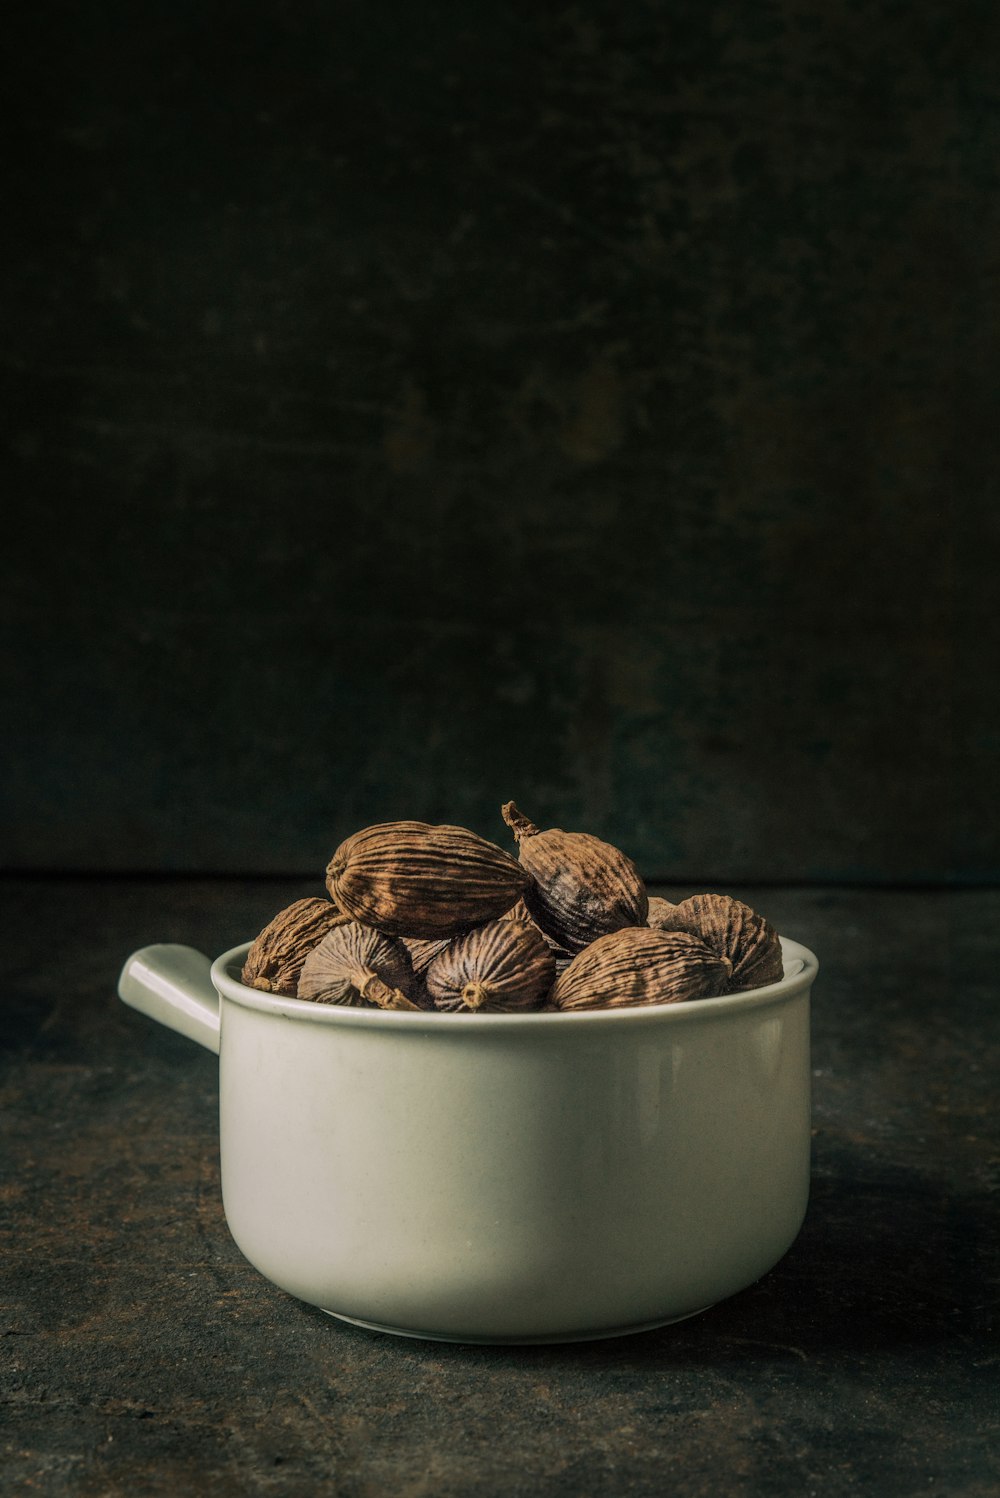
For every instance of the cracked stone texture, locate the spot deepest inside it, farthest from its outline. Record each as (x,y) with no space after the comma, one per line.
(590,404)
(143,1355)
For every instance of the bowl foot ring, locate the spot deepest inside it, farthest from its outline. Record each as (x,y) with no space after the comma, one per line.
(517,1341)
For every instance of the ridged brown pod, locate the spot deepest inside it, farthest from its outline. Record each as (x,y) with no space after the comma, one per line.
(662,915)
(581,888)
(736,931)
(423,951)
(275,959)
(503,965)
(413,879)
(638,965)
(359,966)
(520,912)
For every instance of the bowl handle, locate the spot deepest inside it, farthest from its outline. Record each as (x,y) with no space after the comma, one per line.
(173,984)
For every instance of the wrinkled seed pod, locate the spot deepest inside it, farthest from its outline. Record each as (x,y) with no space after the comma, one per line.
(638,965)
(582,888)
(358,966)
(423,952)
(412,879)
(662,915)
(501,966)
(275,959)
(735,930)
(520,912)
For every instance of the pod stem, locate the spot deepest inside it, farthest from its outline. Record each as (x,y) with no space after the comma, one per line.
(372,988)
(474,995)
(519,824)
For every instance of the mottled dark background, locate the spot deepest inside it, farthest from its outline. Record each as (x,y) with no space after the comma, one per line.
(408,408)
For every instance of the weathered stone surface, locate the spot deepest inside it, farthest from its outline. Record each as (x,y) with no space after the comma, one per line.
(142,1355)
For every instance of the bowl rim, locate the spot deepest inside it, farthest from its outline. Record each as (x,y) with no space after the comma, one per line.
(802,962)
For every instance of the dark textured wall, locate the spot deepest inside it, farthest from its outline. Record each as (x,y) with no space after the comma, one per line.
(409,410)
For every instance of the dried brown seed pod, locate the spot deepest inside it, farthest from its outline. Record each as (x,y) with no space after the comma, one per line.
(582,888)
(638,965)
(359,966)
(503,965)
(412,879)
(423,951)
(275,959)
(662,915)
(735,930)
(520,912)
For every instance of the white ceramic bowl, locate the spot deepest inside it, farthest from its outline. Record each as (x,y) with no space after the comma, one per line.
(503,1177)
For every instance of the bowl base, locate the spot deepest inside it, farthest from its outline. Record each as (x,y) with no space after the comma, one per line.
(517,1341)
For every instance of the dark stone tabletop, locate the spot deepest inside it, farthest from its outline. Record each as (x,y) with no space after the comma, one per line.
(143,1355)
